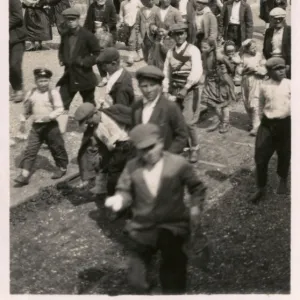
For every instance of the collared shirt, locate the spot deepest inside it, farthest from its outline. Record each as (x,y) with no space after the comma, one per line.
(128,11)
(112,80)
(199,19)
(183,6)
(147,11)
(275,99)
(148,109)
(109,131)
(194,66)
(235,13)
(153,176)
(163,12)
(39,105)
(277,42)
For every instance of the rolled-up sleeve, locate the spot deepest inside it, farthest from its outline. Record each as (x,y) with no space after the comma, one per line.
(167,73)
(197,68)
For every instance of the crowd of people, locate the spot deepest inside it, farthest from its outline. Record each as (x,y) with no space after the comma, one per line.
(197,52)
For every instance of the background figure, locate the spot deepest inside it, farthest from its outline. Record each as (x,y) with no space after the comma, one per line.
(17,36)
(56,10)
(266,6)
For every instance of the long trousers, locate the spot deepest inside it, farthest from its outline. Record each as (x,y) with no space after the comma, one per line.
(173,267)
(16,53)
(274,135)
(67,96)
(50,134)
(146,46)
(234,34)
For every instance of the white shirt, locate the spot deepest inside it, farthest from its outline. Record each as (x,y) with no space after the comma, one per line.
(277,42)
(147,11)
(152,177)
(163,13)
(235,13)
(196,71)
(275,99)
(182,7)
(112,80)
(148,109)
(128,11)
(199,19)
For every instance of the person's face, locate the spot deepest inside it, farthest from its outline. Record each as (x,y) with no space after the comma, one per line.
(110,68)
(278,74)
(180,37)
(165,3)
(278,22)
(205,47)
(42,84)
(149,3)
(252,49)
(151,155)
(150,89)
(72,22)
(230,51)
(199,6)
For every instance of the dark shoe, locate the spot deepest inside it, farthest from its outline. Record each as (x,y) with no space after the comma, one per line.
(214,126)
(58,174)
(18,97)
(258,195)
(193,156)
(282,187)
(224,128)
(22,180)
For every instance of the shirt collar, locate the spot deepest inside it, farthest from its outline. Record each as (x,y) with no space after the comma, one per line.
(153,103)
(181,47)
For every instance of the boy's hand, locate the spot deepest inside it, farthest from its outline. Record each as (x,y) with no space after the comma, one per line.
(182,93)
(114,202)
(46,119)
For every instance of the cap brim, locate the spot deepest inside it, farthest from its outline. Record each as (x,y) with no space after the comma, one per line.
(278,67)
(146,143)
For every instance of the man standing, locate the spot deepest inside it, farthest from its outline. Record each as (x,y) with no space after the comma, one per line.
(78,52)
(152,185)
(274,133)
(156,109)
(17,36)
(236,22)
(183,70)
(277,41)
(266,6)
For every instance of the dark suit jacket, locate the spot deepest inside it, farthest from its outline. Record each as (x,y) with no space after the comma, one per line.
(286,44)
(122,91)
(79,68)
(246,20)
(17,31)
(110,18)
(168,117)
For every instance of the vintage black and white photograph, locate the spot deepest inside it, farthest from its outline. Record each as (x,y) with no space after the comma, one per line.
(150,147)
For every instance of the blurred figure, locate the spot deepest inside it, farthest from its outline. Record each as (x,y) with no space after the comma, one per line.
(267,5)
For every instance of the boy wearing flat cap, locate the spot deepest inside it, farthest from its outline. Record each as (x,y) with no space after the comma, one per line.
(183,70)
(119,89)
(44,105)
(152,185)
(155,108)
(277,40)
(78,52)
(274,132)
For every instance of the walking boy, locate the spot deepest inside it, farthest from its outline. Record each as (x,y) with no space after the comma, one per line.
(153,184)
(45,105)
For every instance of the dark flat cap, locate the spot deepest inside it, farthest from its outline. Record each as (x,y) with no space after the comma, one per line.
(145,135)
(42,72)
(150,72)
(178,27)
(275,63)
(108,55)
(84,111)
(71,12)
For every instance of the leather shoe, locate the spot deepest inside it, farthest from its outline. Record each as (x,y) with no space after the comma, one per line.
(282,187)
(58,174)
(258,195)
(193,156)
(22,180)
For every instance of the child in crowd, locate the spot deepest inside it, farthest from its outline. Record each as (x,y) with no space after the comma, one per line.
(218,89)
(253,72)
(44,105)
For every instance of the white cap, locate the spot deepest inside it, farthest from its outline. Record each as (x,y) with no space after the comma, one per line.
(278,12)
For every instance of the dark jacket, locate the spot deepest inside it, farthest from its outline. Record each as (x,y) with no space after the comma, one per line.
(79,68)
(267,5)
(246,20)
(17,31)
(286,44)
(122,91)
(110,17)
(168,117)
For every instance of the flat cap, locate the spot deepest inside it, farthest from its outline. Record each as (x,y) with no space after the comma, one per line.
(145,135)
(71,12)
(84,111)
(203,1)
(150,72)
(108,55)
(178,27)
(278,12)
(42,72)
(275,63)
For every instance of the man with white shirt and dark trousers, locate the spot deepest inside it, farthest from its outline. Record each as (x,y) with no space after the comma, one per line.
(152,185)
(156,109)
(274,133)
(236,22)
(183,70)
